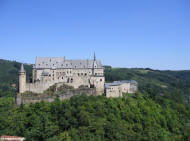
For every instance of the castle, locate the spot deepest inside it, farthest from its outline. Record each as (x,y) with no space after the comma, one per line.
(48,71)
(117,88)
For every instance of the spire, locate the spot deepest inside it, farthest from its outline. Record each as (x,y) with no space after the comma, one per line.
(22,68)
(94,56)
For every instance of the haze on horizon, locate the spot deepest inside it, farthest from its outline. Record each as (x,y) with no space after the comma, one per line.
(123,33)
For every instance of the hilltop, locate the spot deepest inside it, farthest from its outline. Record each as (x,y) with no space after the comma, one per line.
(159,111)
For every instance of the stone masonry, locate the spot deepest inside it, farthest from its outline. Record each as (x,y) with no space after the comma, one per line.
(48,71)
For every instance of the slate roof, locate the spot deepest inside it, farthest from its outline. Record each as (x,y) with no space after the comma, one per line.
(117,83)
(22,68)
(61,62)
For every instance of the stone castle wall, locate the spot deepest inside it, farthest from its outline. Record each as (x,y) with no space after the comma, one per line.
(118,90)
(39,87)
(34,98)
(44,78)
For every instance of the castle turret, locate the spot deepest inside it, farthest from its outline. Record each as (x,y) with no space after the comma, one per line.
(94,56)
(94,64)
(22,79)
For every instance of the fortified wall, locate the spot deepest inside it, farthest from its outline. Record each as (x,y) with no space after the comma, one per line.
(28,98)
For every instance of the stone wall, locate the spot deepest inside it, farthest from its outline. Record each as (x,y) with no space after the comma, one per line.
(118,90)
(34,98)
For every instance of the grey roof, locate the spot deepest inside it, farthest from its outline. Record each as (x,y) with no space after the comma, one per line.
(22,68)
(61,62)
(117,83)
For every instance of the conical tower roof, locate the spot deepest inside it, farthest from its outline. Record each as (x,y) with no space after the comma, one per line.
(22,68)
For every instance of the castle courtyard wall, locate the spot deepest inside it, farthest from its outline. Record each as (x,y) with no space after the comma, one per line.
(27,99)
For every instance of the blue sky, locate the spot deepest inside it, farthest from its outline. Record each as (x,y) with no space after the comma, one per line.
(123,33)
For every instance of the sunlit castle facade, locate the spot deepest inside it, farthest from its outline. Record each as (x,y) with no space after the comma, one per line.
(48,71)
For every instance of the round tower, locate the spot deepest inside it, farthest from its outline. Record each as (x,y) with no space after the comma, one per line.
(22,79)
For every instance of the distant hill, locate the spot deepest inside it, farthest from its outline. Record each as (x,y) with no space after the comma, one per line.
(9,71)
(160,82)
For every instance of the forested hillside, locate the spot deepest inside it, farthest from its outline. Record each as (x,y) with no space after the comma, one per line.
(174,84)
(99,118)
(9,71)
(159,111)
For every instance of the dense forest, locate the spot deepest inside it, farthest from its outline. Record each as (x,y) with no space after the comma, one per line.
(158,111)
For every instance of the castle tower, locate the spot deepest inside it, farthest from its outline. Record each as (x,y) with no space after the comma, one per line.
(94,64)
(94,56)
(22,79)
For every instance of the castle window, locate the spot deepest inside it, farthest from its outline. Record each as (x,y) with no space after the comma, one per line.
(78,74)
(62,77)
(101,80)
(68,80)
(85,74)
(75,66)
(71,80)
(53,64)
(50,60)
